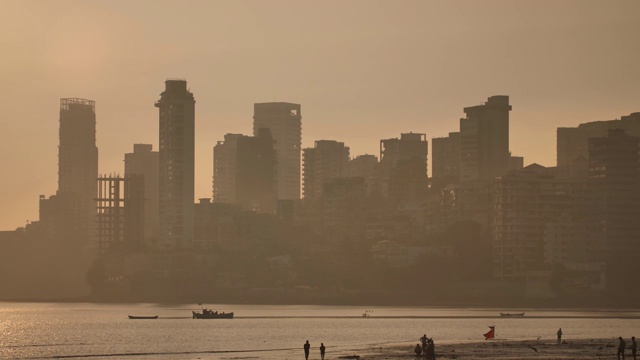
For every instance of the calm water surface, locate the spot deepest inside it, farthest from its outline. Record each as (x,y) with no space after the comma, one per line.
(35,331)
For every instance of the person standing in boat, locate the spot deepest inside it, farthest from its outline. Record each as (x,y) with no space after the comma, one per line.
(322,349)
(559,336)
(307,347)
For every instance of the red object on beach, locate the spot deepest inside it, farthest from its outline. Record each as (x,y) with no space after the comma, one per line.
(491,334)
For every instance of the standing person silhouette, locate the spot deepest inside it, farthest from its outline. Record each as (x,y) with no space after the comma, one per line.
(431,350)
(559,336)
(621,347)
(423,340)
(307,347)
(322,348)
(634,347)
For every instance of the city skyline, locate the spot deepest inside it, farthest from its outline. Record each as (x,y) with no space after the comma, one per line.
(423,88)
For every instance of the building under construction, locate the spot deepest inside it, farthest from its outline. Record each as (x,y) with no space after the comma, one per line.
(120,213)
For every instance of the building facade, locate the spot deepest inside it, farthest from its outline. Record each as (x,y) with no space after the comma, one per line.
(484,140)
(284,121)
(245,172)
(403,164)
(328,159)
(367,167)
(446,159)
(538,220)
(573,147)
(176,165)
(77,172)
(224,169)
(144,162)
(614,185)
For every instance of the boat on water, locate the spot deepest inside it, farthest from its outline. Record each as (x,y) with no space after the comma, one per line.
(210,314)
(142,317)
(512,314)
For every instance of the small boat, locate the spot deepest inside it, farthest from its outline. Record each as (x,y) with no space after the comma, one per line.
(210,314)
(142,317)
(512,314)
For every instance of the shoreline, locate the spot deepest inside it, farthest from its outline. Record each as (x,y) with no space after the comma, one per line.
(498,349)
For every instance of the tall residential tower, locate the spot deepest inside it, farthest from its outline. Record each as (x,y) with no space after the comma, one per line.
(177,121)
(284,120)
(143,161)
(77,170)
(484,140)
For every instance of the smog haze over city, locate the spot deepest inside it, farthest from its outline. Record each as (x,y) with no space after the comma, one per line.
(324,161)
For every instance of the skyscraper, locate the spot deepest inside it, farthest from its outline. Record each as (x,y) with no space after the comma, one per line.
(367,167)
(484,140)
(77,170)
(284,122)
(177,120)
(445,154)
(614,184)
(327,160)
(244,172)
(224,169)
(143,161)
(404,166)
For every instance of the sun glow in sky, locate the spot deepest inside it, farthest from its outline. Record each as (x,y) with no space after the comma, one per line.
(362,70)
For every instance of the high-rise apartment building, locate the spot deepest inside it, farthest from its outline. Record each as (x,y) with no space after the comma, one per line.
(484,140)
(403,163)
(328,159)
(77,170)
(344,209)
(284,120)
(614,184)
(224,169)
(445,155)
(143,162)
(572,142)
(244,172)
(176,170)
(367,167)
(538,220)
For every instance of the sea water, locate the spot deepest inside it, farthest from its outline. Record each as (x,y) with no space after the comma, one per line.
(104,331)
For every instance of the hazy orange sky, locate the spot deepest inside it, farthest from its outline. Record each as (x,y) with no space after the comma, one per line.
(362,70)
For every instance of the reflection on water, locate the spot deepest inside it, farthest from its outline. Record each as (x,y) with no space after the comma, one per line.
(276,332)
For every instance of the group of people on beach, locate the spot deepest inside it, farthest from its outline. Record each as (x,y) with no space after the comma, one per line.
(623,345)
(426,348)
(307,349)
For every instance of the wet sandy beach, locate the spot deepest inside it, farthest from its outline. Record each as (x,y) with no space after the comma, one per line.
(503,350)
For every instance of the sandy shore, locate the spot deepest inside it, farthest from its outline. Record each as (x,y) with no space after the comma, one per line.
(503,350)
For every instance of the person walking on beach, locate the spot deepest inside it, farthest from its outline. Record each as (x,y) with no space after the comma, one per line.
(559,336)
(621,348)
(322,348)
(307,347)
(634,347)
